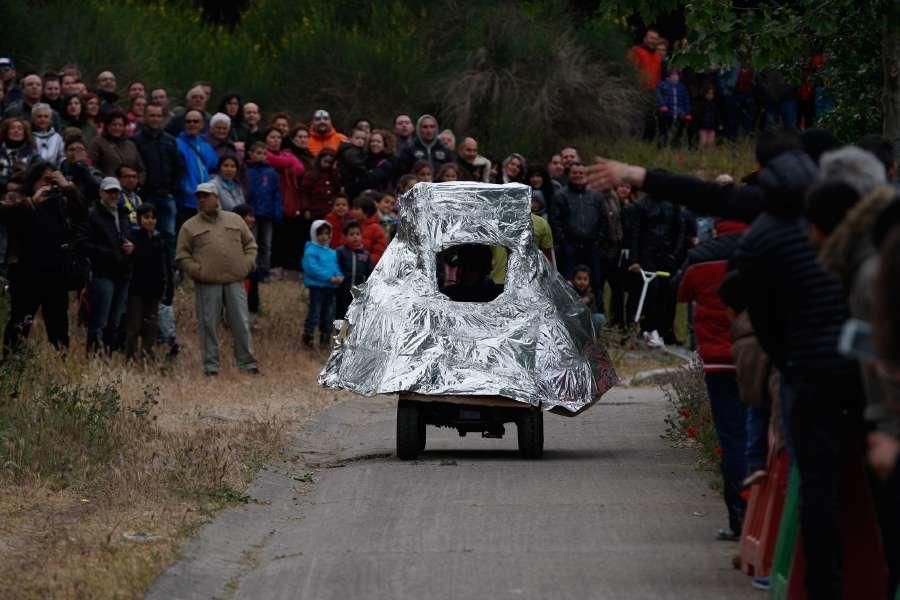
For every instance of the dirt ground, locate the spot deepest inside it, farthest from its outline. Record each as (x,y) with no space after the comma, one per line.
(111,534)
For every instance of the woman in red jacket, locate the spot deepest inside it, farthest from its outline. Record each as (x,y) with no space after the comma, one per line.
(704,271)
(289,236)
(319,185)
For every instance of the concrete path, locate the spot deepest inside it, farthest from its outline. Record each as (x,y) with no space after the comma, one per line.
(610,512)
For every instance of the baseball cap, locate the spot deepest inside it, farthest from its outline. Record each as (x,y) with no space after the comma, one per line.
(7,62)
(110,183)
(321,113)
(206,188)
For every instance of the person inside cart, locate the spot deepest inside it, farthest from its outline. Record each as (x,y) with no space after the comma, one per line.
(473,281)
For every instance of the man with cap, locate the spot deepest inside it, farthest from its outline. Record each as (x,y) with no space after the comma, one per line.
(105,243)
(11,91)
(322,133)
(216,249)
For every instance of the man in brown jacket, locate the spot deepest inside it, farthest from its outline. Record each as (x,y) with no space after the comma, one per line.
(217,250)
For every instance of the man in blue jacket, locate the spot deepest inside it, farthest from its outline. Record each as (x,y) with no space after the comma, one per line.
(199,159)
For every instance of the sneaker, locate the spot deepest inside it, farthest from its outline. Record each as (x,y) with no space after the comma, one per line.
(654,340)
(760,583)
(727,535)
(753,478)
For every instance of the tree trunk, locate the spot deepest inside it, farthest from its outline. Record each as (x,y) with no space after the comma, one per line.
(890,48)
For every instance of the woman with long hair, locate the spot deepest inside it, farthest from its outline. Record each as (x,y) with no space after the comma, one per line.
(74,115)
(512,170)
(537,176)
(297,142)
(231,105)
(92,106)
(17,149)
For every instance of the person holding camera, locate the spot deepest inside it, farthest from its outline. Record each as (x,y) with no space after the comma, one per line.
(105,242)
(41,212)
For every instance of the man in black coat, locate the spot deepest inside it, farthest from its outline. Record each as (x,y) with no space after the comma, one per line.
(797,310)
(580,226)
(164,170)
(105,241)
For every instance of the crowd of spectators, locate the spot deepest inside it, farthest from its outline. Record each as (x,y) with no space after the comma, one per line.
(723,101)
(119,198)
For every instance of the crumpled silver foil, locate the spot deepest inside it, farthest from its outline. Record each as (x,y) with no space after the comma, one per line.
(534,343)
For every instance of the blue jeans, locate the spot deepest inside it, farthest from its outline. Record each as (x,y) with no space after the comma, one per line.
(757,449)
(166,211)
(730,420)
(321,310)
(107,299)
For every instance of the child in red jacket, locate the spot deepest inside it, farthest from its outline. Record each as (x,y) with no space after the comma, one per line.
(338,218)
(365,212)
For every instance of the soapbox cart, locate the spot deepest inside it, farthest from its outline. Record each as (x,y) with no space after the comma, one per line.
(473,365)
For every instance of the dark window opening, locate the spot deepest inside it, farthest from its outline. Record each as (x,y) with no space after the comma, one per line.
(472,272)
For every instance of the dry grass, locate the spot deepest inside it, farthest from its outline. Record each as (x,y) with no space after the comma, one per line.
(115,468)
(154,449)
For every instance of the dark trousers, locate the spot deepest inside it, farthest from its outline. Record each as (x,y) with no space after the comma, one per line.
(826,428)
(287,245)
(887,506)
(659,306)
(342,301)
(615,277)
(106,301)
(666,125)
(321,311)
(757,438)
(141,323)
(28,293)
(166,218)
(730,420)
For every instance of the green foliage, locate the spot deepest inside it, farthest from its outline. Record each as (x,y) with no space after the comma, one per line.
(538,65)
(690,422)
(784,35)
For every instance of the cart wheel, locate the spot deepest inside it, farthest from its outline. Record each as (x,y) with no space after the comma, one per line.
(410,429)
(531,434)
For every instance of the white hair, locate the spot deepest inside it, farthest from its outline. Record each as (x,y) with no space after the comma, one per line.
(854,166)
(42,107)
(220,118)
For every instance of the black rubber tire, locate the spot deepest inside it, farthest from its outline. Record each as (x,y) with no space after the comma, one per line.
(410,430)
(530,428)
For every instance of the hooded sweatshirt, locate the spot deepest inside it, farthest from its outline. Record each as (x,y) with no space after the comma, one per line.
(50,146)
(435,152)
(320,262)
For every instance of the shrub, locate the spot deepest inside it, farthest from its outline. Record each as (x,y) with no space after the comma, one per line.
(690,422)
